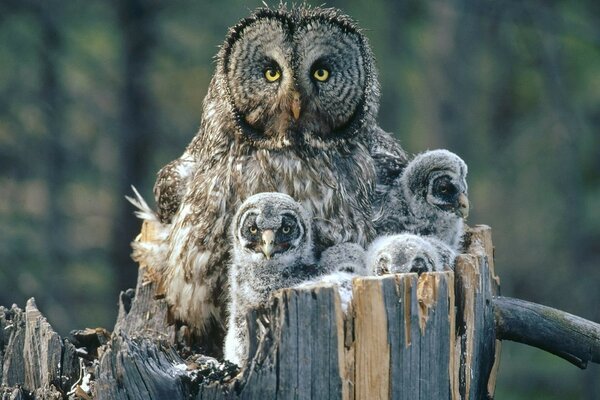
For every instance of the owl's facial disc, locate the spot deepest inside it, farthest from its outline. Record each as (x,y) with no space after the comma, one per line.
(293,82)
(270,236)
(448,195)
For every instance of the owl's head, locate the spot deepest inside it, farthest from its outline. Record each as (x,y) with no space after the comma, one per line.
(437,179)
(299,77)
(401,253)
(272,226)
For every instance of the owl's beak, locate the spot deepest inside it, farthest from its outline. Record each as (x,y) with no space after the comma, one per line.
(463,205)
(266,244)
(296,105)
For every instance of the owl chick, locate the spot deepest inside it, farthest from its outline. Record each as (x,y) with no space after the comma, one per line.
(340,264)
(344,257)
(272,249)
(429,198)
(291,108)
(407,252)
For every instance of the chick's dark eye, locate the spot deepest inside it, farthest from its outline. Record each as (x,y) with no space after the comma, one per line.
(444,186)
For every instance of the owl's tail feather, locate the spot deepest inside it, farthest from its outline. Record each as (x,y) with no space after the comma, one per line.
(143,209)
(151,251)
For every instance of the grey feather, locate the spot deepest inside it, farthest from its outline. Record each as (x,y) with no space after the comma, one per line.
(255,273)
(340,280)
(407,252)
(390,160)
(344,257)
(428,198)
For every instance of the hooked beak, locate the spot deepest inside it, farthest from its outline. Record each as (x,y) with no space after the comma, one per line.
(463,205)
(266,244)
(296,106)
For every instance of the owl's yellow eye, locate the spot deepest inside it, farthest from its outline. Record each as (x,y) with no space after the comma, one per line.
(321,74)
(253,229)
(286,229)
(272,74)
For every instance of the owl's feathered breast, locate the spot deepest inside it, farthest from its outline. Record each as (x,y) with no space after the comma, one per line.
(335,190)
(289,130)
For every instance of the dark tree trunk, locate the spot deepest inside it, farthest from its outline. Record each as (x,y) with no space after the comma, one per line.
(52,104)
(137,19)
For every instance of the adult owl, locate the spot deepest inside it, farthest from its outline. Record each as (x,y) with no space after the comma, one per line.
(291,108)
(428,198)
(272,249)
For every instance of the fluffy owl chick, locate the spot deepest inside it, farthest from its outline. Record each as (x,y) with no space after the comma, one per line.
(340,264)
(407,252)
(429,198)
(344,257)
(272,249)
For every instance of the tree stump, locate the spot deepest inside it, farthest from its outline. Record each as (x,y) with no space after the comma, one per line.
(403,336)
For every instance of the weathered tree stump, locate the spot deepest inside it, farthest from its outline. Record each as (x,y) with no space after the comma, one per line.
(403,336)
(36,362)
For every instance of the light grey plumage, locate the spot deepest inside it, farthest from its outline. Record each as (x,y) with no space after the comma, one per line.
(291,108)
(340,280)
(406,252)
(344,257)
(340,264)
(272,249)
(429,198)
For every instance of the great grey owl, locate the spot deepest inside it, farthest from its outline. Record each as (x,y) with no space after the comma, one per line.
(291,108)
(272,249)
(406,252)
(429,198)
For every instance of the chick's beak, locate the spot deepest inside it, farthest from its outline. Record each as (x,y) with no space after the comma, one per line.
(296,106)
(266,244)
(463,205)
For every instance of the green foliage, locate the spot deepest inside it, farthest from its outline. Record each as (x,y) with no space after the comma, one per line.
(512,87)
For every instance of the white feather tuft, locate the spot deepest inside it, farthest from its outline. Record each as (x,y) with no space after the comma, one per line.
(144,211)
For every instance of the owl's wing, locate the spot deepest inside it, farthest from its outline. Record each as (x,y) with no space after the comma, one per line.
(391,214)
(171,185)
(390,158)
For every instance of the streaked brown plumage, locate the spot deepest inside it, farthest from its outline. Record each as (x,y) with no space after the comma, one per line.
(299,135)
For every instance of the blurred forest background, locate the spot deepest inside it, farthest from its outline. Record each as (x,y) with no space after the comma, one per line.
(98,95)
